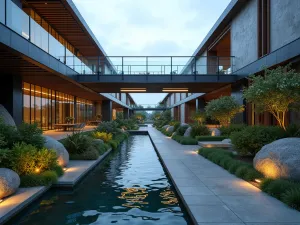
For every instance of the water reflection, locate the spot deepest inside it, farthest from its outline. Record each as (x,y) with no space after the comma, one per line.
(128,188)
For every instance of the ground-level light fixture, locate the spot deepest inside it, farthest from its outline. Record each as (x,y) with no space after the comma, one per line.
(175,90)
(258,181)
(133,89)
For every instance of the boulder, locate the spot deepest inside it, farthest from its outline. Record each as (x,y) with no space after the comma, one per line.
(183,124)
(62,153)
(227,141)
(170,129)
(215,132)
(188,131)
(279,159)
(165,127)
(174,134)
(9,182)
(6,117)
(99,141)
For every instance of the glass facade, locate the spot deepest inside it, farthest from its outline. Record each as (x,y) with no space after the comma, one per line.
(47,107)
(2,11)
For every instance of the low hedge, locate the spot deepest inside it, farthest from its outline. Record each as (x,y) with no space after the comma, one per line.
(199,130)
(185,140)
(181,130)
(284,190)
(227,131)
(169,134)
(210,138)
(43,179)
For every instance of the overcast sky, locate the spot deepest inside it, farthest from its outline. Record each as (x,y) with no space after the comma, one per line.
(150,27)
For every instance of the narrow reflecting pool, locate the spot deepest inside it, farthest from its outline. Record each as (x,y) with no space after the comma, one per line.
(129,187)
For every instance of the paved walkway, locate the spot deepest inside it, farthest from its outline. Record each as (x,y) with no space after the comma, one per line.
(213,195)
(62,134)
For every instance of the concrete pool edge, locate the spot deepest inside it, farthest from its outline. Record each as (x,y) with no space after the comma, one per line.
(186,206)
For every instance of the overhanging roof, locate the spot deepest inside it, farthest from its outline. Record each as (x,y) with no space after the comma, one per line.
(65,18)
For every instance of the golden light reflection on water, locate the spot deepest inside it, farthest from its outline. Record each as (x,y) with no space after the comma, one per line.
(134,197)
(168,197)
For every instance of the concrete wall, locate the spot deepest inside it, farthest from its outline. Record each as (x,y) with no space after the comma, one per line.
(285,22)
(172,99)
(244,35)
(182,113)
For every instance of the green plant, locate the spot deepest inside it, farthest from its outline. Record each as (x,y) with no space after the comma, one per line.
(277,187)
(275,92)
(223,109)
(210,138)
(241,171)
(90,154)
(292,198)
(102,135)
(265,183)
(77,143)
(9,135)
(108,127)
(175,124)
(181,130)
(227,131)
(169,134)
(43,179)
(199,117)
(114,144)
(199,130)
(69,119)
(252,138)
(188,141)
(31,134)
(58,170)
(27,159)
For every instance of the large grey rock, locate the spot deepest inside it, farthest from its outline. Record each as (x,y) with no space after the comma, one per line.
(174,134)
(62,153)
(170,129)
(188,131)
(6,117)
(165,127)
(215,132)
(9,182)
(279,159)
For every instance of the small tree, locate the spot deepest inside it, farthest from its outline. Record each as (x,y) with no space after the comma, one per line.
(275,92)
(223,109)
(199,117)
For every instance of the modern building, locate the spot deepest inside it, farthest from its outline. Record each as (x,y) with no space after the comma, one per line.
(248,36)
(42,44)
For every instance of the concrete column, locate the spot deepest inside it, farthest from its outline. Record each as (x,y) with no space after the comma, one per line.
(11,96)
(106,110)
(236,92)
(126,113)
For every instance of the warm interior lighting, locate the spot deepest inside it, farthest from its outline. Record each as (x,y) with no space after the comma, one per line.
(258,181)
(175,90)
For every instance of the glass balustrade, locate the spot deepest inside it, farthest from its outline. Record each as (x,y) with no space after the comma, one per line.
(21,23)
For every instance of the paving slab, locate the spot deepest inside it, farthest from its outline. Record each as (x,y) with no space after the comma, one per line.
(18,201)
(77,169)
(212,195)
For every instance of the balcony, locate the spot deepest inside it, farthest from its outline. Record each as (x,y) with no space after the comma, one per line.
(153,65)
(17,20)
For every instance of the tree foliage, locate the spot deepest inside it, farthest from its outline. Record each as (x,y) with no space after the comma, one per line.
(199,117)
(275,92)
(223,109)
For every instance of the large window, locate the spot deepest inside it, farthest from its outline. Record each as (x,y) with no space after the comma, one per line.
(47,107)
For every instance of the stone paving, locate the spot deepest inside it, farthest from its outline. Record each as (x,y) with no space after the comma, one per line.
(62,134)
(214,196)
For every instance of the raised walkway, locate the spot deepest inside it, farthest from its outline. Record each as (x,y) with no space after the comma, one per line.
(212,195)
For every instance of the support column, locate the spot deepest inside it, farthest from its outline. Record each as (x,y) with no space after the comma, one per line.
(106,110)
(11,96)
(201,104)
(75,109)
(126,113)
(237,93)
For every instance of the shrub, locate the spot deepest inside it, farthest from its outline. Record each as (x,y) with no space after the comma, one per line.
(102,135)
(265,183)
(31,134)
(114,144)
(251,139)
(277,187)
(27,159)
(252,174)
(199,130)
(181,130)
(175,124)
(43,179)
(188,141)
(9,135)
(90,154)
(292,198)
(169,134)
(58,170)
(210,138)
(241,171)
(227,131)
(77,143)
(293,130)
(108,127)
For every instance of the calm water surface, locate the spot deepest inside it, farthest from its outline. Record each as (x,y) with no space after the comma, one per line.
(129,187)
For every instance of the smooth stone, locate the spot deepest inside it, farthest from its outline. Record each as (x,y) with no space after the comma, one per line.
(215,132)
(279,159)
(188,131)
(165,127)
(170,129)
(9,182)
(6,117)
(62,153)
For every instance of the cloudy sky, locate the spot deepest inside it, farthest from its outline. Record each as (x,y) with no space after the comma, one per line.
(150,27)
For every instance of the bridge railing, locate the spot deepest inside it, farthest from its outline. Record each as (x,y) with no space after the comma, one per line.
(151,65)
(149,106)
